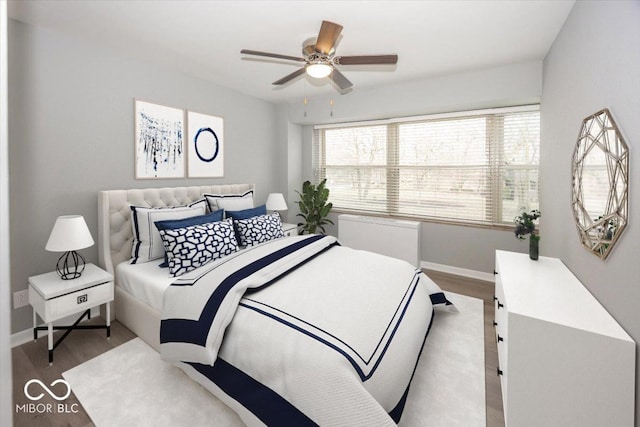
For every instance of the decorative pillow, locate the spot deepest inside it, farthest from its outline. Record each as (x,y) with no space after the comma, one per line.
(181,223)
(194,220)
(247,213)
(230,202)
(147,244)
(438,298)
(259,229)
(194,246)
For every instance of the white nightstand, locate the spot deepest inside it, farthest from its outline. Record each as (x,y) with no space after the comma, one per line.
(53,298)
(289,229)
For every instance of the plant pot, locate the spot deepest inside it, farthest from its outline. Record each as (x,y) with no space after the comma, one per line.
(534,242)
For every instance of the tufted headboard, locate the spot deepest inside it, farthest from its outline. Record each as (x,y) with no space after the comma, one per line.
(115,233)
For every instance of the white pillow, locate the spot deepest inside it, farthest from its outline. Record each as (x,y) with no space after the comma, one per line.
(147,244)
(230,202)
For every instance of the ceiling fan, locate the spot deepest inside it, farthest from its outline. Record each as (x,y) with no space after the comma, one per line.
(318,57)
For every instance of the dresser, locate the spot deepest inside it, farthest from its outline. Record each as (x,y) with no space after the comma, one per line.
(563,360)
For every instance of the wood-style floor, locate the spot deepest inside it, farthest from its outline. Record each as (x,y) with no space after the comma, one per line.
(30,360)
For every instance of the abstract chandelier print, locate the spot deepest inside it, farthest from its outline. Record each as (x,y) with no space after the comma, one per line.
(205,145)
(159,141)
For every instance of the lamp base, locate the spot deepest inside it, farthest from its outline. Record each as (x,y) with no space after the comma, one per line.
(70,265)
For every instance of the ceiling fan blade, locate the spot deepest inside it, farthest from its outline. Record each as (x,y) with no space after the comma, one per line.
(327,37)
(366,60)
(289,77)
(271,55)
(340,80)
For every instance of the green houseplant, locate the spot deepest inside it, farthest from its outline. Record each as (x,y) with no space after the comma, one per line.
(525,225)
(314,207)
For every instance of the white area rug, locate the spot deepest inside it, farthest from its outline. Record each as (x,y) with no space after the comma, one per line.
(131,385)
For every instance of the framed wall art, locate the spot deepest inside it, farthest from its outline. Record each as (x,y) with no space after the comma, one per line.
(205,145)
(159,141)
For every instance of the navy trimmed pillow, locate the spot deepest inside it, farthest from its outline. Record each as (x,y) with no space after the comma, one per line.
(247,213)
(230,202)
(259,229)
(185,222)
(196,245)
(147,244)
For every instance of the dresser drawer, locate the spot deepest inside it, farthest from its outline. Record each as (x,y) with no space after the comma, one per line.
(502,329)
(74,302)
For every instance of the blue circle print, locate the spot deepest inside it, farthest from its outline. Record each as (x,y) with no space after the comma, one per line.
(201,131)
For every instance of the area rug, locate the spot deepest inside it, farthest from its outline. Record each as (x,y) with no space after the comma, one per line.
(131,385)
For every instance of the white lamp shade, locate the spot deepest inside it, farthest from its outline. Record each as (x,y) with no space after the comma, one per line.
(275,202)
(70,233)
(318,70)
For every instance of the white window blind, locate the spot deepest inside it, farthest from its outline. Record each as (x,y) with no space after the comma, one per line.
(477,167)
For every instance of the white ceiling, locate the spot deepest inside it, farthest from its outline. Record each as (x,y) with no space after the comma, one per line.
(204,38)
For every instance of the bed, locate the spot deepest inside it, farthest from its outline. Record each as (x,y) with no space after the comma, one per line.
(277,354)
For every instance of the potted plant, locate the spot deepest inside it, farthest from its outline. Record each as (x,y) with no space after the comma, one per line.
(314,207)
(525,225)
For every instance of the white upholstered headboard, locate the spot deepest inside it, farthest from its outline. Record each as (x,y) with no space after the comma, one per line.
(115,233)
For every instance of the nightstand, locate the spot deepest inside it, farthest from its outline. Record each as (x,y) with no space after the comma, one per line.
(53,298)
(289,229)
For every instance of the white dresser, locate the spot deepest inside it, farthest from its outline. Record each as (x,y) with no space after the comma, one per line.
(563,360)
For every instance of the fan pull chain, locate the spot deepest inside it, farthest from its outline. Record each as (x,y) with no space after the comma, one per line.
(331,104)
(305,96)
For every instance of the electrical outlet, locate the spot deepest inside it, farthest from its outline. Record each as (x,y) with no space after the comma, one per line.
(21,298)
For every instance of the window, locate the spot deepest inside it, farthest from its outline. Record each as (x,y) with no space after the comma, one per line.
(473,167)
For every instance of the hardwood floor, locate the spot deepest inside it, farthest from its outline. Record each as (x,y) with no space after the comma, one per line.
(30,360)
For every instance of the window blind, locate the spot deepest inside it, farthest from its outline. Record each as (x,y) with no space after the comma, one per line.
(477,166)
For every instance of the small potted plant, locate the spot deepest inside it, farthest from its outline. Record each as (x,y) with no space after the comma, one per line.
(525,225)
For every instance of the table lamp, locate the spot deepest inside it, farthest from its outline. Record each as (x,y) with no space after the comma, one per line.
(276,202)
(70,233)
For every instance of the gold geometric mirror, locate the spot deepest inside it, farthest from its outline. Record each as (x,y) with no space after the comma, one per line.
(600,183)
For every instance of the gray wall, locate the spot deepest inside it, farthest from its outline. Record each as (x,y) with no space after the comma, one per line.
(469,248)
(71,135)
(594,63)
(6,381)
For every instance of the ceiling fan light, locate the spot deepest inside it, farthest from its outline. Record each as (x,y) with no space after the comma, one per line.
(318,71)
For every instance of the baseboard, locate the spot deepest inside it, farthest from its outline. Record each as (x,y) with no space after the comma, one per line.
(464,272)
(25,336)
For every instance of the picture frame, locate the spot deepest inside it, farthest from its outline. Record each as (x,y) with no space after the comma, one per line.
(159,141)
(205,145)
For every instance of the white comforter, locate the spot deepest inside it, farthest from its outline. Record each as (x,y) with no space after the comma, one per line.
(301,331)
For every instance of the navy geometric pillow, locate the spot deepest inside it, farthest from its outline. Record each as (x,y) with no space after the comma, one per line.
(181,223)
(259,229)
(194,246)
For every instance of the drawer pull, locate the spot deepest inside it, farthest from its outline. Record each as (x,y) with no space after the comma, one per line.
(495,273)
(498,371)
(495,323)
(500,339)
(500,305)
(495,298)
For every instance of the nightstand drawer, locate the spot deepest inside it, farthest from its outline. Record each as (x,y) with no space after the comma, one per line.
(71,303)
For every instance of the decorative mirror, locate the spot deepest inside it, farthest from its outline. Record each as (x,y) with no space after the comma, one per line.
(600,183)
